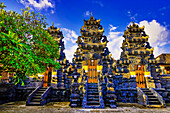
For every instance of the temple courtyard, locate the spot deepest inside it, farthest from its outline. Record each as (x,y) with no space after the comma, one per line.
(63,107)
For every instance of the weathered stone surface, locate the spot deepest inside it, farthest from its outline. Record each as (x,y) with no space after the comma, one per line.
(7,92)
(63,107)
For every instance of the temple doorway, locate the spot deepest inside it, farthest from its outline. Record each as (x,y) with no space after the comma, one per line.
(140,79)
(47,77)
(92,71)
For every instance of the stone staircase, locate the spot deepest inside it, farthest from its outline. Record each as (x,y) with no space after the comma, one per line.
(153,101)
(37,97)
(93,97)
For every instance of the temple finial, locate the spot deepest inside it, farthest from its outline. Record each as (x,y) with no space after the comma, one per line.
(52,25)
(91,18)
(91,13)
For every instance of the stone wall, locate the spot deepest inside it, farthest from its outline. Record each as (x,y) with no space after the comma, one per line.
(60,95)
(22,93)
(7,92)
(165,81)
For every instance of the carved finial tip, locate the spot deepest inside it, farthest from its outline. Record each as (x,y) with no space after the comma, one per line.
(91,13)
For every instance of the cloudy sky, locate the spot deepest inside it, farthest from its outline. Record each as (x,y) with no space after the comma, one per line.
(115,15)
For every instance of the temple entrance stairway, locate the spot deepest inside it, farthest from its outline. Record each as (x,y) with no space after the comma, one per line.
(92,98)
(38,97)
(153,100)
(150,98)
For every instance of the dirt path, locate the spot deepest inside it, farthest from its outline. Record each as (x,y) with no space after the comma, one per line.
(63,107)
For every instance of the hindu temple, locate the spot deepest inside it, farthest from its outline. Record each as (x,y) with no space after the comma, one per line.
(94,79)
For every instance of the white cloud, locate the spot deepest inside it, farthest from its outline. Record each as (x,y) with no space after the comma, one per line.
(52,11)
(69,35)
(70,52)
(70,38)
(42,4)
(17,1)
(132,17)
(87,13)
(99,3)
(115,42)
(112,27)
(158,36)
(163,8)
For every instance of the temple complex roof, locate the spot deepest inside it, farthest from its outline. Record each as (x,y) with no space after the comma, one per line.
(163,58)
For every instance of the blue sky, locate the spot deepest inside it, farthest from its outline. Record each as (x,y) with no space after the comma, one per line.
(115,15)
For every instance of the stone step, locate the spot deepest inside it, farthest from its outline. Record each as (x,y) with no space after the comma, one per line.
(94,93)
(151,96)
(41,89)
(93,106)
(149,93)
(153,99)
(35,100)
(40,92)
(75,100)
(92,90)
(154,103)
(34,104)
(73,105)
(113,106)
(145,91)
(92,99)
(36,97)
(92,85)
(112,101)
(92,96)
(110,95)
(93,103)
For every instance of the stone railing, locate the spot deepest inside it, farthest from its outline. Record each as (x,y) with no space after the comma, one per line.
(142,97)
(85,95)
(158,96)
(100,94)
(44,96)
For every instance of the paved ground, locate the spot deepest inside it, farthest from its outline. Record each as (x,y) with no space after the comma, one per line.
(63,107)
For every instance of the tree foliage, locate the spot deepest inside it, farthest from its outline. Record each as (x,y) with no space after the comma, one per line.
(25,45)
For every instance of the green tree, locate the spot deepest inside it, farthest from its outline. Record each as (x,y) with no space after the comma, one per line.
(25,45)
